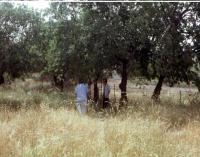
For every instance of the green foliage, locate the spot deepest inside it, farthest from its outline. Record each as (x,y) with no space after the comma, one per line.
(18,37)
(90,40)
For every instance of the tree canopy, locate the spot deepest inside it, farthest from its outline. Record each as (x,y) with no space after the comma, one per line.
(91,40)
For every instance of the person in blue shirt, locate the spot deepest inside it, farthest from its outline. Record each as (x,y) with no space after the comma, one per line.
(81,91)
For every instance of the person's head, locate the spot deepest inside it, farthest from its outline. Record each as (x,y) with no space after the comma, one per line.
(105,81)
(80,81)
(89,81)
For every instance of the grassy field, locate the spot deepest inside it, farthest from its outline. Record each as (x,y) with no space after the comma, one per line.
(37,120)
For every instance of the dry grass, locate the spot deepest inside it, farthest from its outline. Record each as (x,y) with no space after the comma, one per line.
(45,124)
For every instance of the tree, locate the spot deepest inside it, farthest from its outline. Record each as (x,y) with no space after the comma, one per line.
(147,40)
(192,27)
(59,57)
(168,59)
(114,38)
(19,30)
(177,57)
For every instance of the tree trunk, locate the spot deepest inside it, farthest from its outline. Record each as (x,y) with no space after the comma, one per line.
(123,83)
(157,90)
(89,89)
(2,81)
(58,83)
(96,91)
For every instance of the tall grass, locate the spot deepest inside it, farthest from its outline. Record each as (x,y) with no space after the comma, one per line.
(45,124)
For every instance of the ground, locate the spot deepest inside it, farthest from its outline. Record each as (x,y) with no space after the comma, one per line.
(36,120)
